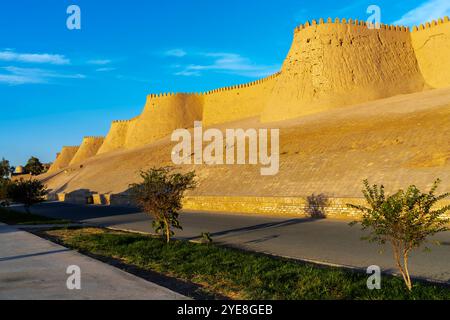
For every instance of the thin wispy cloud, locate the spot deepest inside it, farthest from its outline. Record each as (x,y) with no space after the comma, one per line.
(230,63)
(107,69)
(429,10)
(179,53)
(100,62)
(18,76)
(43,58)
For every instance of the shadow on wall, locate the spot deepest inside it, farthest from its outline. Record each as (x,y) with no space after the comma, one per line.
(316,205)
(91,197)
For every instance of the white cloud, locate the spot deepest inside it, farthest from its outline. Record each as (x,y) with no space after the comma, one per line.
(230,63)
(105,69)
(429,10)
(187,73)
(179,53)
(57,59)
(100,62)
(19,76)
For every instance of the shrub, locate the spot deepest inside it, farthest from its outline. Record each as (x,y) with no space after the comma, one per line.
(5,169)
(27,192)
(4,183)
(160,194)
(405,219)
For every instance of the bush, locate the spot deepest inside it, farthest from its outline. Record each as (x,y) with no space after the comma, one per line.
(4,184)
(27,192)
(160,195)
(5,169)
(405,220)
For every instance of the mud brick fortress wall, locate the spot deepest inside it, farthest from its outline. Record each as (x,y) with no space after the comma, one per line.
(331,64)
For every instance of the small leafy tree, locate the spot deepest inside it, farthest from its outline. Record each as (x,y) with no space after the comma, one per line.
(160,194)
(27,192)
(34,166)
(405,219)
(4,184)
(5,169)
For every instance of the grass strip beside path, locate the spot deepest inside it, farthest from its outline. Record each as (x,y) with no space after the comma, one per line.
(19,218)
(234,273)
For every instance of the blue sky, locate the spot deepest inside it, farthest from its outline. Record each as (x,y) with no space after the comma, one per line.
(57,85)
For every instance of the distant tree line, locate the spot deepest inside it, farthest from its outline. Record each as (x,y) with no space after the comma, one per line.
(34,167)
(26,191)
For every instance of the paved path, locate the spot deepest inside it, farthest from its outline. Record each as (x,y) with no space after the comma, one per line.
(33,268)
(326,241)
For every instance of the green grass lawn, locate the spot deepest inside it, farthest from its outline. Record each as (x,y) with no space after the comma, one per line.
(237,274)
(19,218)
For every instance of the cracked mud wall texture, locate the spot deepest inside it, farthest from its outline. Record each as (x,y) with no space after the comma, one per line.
(336,64)
(432,48)
(88,148)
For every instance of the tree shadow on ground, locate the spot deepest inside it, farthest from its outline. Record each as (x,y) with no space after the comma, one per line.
(258,227)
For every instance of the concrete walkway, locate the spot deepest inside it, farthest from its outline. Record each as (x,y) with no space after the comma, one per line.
(34,268)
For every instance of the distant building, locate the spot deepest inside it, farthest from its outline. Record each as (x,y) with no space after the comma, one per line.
(19,170)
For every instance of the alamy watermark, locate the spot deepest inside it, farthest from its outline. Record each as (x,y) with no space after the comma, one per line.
(374,20)
(73,21)
(191,150)
(374,280)
(74,280)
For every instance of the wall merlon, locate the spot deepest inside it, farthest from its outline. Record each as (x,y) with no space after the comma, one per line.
(94,138)
(356,22)
(431,24)
(124,121)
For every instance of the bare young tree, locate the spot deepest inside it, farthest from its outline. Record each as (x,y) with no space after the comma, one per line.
(405,219)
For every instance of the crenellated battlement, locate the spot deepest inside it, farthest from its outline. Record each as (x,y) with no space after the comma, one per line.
(322,71)
(214,91)
(124,121)
(350,22)
(244,85)
(120,121)
(431,24)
